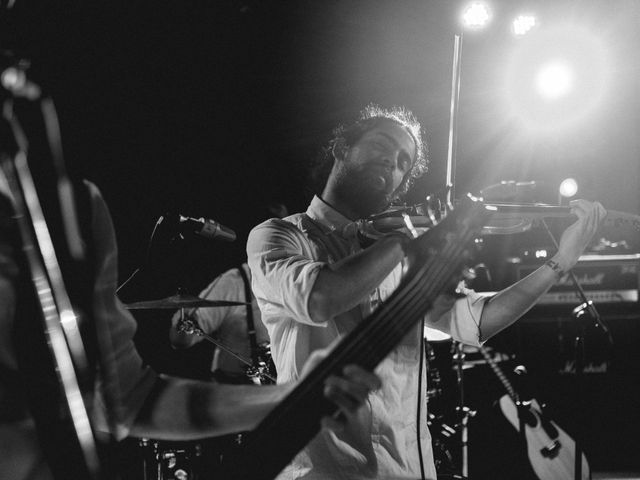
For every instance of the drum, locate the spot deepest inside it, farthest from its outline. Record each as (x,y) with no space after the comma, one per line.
(441,398)
(438,350)
(264,373)
(162,460)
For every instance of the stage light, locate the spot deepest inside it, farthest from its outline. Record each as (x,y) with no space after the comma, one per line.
(522,24)
(554,80)
(568,187)
(476,15)
(13,78)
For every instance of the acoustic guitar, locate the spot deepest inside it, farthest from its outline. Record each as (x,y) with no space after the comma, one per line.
(550,449)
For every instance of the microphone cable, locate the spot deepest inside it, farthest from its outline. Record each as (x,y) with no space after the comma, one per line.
(147,256)
(419,405)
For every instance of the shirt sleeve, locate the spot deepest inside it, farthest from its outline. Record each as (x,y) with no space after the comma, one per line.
(224,287)
(124,380)
(208,319)
(459,317)
(283,269)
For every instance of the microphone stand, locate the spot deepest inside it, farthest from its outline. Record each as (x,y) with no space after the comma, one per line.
(586,306)
(464,413)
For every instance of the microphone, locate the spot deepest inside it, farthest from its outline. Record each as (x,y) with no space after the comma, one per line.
(207,228)
(203,227)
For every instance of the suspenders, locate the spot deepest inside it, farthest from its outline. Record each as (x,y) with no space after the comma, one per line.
(251,328)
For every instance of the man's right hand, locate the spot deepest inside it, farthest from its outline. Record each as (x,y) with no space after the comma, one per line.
(348,391)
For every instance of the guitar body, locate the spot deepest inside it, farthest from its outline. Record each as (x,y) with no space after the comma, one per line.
(552,458)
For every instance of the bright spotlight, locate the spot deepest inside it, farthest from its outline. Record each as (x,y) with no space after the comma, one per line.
(13,78)
(476,15)
(554,80)
(522,24)
(568,187)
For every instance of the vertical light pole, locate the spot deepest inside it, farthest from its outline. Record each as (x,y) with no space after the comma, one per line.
(474,16)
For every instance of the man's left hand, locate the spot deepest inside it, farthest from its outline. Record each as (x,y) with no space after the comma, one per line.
(576,238)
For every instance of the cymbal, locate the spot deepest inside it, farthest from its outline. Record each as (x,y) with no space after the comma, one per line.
(180,300)
(470,358)
(433,335)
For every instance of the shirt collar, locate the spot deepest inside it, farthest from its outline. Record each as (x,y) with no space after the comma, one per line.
(328,217)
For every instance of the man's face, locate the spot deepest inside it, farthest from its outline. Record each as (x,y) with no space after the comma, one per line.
(376,166)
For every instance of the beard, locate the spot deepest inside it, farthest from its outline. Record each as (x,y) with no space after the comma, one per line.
(361,189)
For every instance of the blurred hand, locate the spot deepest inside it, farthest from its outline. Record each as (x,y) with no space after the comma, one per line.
(348,391)
(576,238)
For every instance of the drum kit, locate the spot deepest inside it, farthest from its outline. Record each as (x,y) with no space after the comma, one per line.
(260,372)
(447,417)
(193,460)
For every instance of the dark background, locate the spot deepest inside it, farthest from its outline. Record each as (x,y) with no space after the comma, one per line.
(215,108)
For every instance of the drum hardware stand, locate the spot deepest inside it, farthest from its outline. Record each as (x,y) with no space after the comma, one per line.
(464,413)
(186,324)
(587,306)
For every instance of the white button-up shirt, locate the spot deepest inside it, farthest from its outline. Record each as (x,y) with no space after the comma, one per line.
(285,257)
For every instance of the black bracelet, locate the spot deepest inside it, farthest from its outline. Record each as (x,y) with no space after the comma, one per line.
(555,266)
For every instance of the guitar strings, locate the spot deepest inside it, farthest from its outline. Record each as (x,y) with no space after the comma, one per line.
(410,298)
(407,293)
(414,301)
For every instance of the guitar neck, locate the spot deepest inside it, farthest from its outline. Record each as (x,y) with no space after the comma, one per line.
(501,376)
(296,420)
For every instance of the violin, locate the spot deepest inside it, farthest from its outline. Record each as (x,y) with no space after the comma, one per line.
(507,218)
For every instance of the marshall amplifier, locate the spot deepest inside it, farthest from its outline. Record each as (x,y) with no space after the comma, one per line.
(604,278)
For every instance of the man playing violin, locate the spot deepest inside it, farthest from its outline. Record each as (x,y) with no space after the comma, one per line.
(314,283)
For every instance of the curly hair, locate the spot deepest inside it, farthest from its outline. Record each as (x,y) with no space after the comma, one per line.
(370,117)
